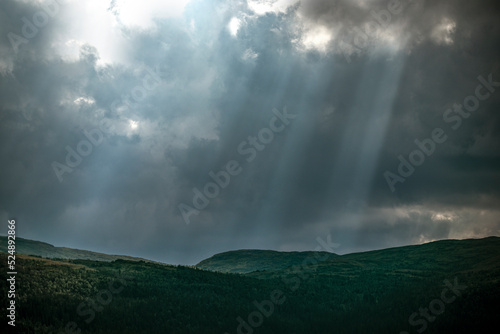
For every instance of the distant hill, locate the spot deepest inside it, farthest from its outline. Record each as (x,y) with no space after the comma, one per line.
(249,260)
(437,255)
(42,249)
(416,262)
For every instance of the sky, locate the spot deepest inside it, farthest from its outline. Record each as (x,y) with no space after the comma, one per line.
(175,130)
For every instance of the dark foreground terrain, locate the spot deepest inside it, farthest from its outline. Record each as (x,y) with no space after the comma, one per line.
(442,287)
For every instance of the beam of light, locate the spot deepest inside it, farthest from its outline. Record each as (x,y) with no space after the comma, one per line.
(362,139)
(266,228)
(272,218)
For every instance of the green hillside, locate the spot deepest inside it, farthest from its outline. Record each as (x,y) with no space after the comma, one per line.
(42,249)
(412,261)
(247,261)
(384,291)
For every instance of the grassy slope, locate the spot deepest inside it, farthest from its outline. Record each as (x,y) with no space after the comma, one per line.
(410,261)
(42,249)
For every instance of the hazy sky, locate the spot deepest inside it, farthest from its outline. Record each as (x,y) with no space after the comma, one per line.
(374,122)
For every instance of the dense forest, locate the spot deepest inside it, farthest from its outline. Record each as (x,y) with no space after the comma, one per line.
(441,287)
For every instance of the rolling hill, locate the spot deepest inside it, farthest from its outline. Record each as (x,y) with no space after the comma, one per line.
(247,261)
(384,291)
(42,249)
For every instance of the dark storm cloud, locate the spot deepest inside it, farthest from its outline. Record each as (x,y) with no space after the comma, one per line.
(357,105)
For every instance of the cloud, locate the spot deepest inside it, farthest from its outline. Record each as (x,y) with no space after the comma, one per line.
(176,90)
(143,14)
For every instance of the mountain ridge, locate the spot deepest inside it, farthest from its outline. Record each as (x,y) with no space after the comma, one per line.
(46,250)
(246,261)
(232,262)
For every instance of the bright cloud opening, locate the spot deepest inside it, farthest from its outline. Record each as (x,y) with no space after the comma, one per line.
(101,24)
(142,13)
(133,124)
(262,7)
(234,25)
(317,38)
(84,101)
(443,32)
